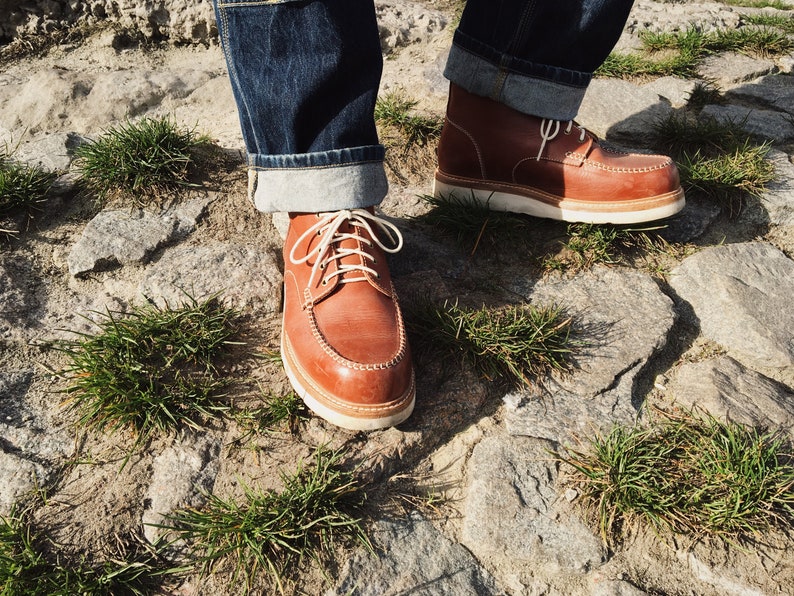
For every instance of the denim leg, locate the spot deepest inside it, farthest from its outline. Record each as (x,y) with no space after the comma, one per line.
(535,56)
(305,77)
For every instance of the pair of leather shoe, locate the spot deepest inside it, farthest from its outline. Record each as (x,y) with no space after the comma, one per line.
(344,346)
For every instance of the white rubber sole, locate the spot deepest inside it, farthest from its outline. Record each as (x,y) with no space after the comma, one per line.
(346,421)
(551,207)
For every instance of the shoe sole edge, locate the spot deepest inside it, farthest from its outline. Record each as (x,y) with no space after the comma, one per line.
(539,204)
(340,419)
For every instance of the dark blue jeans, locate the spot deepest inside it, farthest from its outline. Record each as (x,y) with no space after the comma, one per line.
(305,76)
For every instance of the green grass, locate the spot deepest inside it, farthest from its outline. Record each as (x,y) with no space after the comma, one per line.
(784,23)
(727,177)
(153,369)
(689,475)
(678,53)
(595,243)
(471,224)
(703,94)
(716,159)
(779,4)
(394,109)
(26,570)
(23,191)
(140,161)
(274,532)
(619,65)
(514,344)
(280,412)
(695,44)
(591,244)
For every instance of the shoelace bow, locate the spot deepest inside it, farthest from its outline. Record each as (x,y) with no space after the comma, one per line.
(547,134)
(329,248)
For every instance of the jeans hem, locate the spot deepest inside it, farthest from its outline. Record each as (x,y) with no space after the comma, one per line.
(528,93)
(316,189)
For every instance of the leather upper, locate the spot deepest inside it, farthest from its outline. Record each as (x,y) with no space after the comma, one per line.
(485,140)
(342,322)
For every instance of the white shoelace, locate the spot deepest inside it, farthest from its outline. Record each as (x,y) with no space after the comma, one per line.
(328,249)
(547,135)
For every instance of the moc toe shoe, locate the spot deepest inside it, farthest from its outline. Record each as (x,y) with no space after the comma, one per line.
(511,161)
(343,340)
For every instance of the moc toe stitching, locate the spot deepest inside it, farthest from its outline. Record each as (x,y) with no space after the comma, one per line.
(346,362)
(394,405)
(614,170)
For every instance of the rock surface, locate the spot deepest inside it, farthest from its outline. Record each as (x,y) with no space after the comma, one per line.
(706,324)
(740,297)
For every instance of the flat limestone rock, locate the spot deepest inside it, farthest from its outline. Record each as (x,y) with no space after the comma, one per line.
(119,237)
(179,476)
(247,276)
(621,320)
(673,89)
(411,553)
(776,199)
(511,517)
(731,68)
(18,476)
(772,91)
(768,125)
(620,110)
(728,390)
(740,295)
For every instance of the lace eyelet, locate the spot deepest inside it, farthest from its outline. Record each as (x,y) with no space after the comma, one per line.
(324,282)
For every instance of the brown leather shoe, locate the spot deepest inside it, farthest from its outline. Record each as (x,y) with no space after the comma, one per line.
(343,341)
(524,164)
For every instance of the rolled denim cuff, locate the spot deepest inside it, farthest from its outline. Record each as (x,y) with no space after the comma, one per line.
(545,95)
(317,182)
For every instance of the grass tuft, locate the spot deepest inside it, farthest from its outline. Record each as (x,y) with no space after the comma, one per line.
(778,4)
(273,532)
(153,369)
(690,475)
(783,22)
(471,223)
(25,570)
(23,190)
(514,344)
(703,94)
(595,243)
(591,244)
(726,177)
(140,160)
(394,109)
(678,53)
(717,159)
(279,412)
